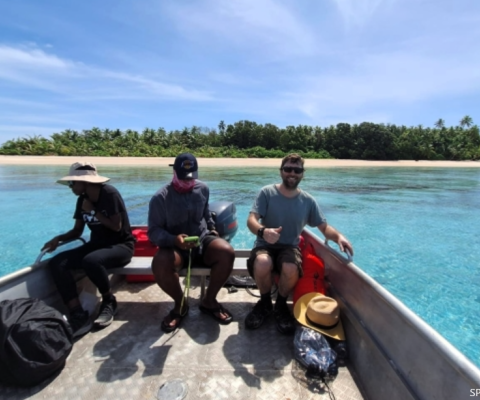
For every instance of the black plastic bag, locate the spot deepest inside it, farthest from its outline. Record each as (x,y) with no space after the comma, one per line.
(313,351)
(35,341)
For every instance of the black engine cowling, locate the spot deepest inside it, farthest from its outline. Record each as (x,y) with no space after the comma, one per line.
(224,214)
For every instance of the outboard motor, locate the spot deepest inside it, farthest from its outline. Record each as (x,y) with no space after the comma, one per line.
(224,214)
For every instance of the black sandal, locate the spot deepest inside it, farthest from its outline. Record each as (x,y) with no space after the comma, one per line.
(173,316)
(217,310)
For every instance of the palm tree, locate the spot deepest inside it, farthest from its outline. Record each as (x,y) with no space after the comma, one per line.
(221,127)
(440,123)
(466,121)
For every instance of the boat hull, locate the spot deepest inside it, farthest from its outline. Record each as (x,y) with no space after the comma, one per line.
(393,353)
(396,354)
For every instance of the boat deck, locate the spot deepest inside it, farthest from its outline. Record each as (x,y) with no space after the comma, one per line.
(133,358)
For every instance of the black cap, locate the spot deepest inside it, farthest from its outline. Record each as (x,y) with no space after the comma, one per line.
(185,166)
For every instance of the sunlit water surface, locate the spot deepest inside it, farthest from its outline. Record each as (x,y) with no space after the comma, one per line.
(415,231)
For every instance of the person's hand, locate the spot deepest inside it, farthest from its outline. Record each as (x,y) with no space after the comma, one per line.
(272,235)
(344,244)
(181,244)
(87,205)
(51,245)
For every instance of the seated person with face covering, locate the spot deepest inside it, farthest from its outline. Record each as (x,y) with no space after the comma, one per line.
(178,210)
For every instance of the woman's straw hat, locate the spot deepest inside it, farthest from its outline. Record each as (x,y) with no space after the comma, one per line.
(84,172)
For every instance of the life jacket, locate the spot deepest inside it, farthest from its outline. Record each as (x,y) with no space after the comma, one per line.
(313,279)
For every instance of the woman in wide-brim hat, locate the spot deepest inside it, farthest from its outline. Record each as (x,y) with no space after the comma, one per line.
(101,207)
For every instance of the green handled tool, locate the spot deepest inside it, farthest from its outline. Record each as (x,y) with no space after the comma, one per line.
(188,239)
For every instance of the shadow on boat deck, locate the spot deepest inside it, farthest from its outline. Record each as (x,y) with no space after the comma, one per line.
(133,358)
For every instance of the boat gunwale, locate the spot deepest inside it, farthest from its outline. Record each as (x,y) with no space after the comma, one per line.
(455,358)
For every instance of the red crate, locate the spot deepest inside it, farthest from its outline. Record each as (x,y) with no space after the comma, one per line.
(143,248)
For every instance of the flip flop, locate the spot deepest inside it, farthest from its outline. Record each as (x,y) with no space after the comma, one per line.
(173,315)
(213,311)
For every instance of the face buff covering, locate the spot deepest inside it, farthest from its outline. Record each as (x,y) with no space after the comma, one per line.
(182,186)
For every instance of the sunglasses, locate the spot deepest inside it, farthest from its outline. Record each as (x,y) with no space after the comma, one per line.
(297,170)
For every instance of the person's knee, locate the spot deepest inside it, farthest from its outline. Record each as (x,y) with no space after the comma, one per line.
(219,255)
(262,265)
(163,262)
(227,250)
(220,251)
(90,262)
(290,271)
(57,263)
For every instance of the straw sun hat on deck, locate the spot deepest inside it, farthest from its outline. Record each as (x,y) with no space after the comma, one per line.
(321,313)
(84,172)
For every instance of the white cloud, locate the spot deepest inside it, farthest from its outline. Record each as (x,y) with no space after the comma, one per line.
(268,26)
(367,86)
(29,57)
(30,66)
(38,69)
(359,12)
(394,78)
(230,78)
(9,101)
(57,118)
(155,87)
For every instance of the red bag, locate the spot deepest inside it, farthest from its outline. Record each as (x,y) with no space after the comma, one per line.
(313,274)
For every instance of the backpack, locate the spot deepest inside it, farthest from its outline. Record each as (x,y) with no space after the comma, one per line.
(35,341)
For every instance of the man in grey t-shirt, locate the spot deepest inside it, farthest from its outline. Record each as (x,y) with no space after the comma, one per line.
(278,216)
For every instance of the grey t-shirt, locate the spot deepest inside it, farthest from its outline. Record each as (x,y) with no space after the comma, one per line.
(292,214)
(171,213)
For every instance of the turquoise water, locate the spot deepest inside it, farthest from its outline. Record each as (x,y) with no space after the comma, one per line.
(415,231)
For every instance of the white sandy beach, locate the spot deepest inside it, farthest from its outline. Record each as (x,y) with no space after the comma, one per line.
(229,162)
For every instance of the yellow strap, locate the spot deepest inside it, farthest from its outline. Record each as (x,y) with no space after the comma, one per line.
(187,284)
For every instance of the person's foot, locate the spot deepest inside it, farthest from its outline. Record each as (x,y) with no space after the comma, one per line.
(108,309)
(173,320)
(80,323)
(260,313)
(284,320)
(218,313)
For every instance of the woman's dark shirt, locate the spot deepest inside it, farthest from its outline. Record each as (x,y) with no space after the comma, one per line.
(109,203)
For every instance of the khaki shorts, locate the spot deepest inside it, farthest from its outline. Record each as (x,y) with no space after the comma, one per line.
(279,255)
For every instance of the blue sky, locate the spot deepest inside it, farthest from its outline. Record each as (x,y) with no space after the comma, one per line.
(136,64)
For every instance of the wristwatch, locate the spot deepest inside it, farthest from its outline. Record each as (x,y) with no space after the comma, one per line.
(260,232)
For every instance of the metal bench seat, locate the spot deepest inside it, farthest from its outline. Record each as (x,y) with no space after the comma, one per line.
(143,266)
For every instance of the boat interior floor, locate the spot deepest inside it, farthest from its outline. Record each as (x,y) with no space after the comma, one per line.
(132,358)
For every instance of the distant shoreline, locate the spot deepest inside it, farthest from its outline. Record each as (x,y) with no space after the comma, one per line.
(230,162)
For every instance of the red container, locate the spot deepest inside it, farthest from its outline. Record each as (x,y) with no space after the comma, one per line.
(140,278)
(143,248)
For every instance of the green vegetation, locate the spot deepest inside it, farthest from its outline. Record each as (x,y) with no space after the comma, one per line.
(365,141)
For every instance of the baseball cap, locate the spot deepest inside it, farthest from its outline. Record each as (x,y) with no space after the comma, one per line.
(185,166)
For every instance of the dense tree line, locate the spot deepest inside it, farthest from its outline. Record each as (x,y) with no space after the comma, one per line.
(365,141)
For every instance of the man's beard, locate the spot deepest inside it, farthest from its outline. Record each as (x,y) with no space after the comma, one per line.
(291,185)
